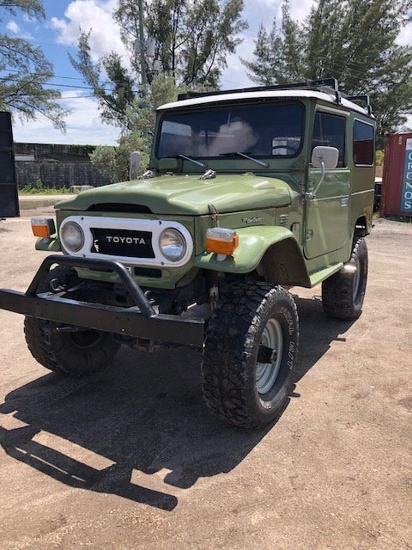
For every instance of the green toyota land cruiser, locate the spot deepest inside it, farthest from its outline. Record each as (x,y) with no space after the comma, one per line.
(249,193)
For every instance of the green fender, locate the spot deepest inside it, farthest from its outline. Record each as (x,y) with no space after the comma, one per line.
(50,244)
(274,251)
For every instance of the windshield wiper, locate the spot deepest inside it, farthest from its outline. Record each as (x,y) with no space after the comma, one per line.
(234,153)
(191,160)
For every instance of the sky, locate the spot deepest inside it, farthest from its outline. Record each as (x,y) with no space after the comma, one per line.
(58,36)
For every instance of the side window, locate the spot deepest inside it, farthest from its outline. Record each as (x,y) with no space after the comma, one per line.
(330,130)
(363,143)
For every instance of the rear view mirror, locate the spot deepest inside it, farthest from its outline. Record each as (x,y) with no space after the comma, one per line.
(328,155)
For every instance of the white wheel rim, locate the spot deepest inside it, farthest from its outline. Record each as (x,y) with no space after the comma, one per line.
(266,373)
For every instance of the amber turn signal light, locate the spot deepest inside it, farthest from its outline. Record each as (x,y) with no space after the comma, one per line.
(221,241)
(43,227)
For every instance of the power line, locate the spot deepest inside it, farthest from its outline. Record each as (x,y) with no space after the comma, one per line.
(54,76)
(75,97)
(57,85)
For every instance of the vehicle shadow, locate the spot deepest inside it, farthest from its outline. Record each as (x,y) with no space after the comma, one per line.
(143,415)
(317,332)
(144,418)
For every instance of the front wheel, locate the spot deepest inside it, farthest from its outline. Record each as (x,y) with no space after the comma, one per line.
(250,351)
(73,353)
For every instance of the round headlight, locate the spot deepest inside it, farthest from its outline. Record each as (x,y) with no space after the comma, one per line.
(172,244)
(72,236)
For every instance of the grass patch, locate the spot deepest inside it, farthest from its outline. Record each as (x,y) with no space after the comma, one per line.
(38,188)
(402,219)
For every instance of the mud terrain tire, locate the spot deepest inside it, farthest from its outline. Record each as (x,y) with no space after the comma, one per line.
(71,353)
(343,293)
(249,355)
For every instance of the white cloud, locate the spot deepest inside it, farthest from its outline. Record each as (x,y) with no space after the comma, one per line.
(83,125)
(90,14)
(299,9)
(13,27)
(405,36)
(257,13)
(234,76)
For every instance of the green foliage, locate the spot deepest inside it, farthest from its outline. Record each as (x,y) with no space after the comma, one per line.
(26,71)
(163,90)
(379,156)
(33,8)
(114,161)
(39,188)
(104,157)
(116,92)
(351,40)
(192,39)
(209,35)
(36,187)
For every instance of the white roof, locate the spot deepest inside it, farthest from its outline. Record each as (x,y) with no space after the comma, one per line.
(295,94)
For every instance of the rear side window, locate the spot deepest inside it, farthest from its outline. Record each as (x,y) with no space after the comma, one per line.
(330,130)
(363,143)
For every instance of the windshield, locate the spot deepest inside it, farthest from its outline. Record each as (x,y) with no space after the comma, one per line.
(269,130)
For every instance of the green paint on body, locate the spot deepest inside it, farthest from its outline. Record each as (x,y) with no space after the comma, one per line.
(187,195)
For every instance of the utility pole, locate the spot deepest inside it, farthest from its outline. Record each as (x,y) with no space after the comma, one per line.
(142,49)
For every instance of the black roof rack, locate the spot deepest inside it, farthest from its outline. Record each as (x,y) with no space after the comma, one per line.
(326,85)
(364,98)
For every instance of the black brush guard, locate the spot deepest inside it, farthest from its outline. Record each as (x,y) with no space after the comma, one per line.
(139,321)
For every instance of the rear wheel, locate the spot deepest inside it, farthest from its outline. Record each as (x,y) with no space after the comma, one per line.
(250,351)
(343,293)
(74,353)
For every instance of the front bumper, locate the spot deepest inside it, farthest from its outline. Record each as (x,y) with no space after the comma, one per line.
(140,320)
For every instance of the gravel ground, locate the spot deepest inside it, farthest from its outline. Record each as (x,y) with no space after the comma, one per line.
(130,458)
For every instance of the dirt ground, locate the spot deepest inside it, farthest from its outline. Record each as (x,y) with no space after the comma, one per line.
(130,458)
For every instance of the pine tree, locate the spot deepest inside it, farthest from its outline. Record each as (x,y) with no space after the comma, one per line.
(25,72)
(353,41)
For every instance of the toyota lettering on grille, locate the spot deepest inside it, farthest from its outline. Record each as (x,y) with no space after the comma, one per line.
(124,240)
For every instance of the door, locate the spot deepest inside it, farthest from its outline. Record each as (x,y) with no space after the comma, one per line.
(9,200)
(327,215)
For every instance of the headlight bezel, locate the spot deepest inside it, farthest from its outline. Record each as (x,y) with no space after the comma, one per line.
(64,228)
(178,236)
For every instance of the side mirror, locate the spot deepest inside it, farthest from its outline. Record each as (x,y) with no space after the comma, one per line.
(134,165)
(328,155)
(324,158)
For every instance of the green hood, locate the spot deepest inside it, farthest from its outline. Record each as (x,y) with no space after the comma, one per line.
(187,195)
